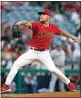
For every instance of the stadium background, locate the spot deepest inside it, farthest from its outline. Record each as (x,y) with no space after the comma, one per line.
(30,79)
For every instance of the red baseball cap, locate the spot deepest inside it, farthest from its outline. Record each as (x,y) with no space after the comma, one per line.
(46,11)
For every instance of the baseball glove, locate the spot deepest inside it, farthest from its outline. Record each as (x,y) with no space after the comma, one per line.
(16,33)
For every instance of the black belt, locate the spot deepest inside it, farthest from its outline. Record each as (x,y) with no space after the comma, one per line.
(37,49)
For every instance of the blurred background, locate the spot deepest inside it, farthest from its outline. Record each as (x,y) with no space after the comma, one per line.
(36,78)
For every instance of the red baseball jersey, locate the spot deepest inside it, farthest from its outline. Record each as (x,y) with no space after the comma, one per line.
(42,35)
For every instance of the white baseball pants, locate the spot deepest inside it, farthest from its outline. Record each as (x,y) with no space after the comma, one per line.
(31,56)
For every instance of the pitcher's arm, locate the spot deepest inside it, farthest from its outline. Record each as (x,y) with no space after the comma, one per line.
(66,34)
(25,23)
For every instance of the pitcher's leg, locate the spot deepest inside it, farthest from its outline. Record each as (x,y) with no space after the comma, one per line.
(48,62)
(21,61)
(12,74)
(59,74)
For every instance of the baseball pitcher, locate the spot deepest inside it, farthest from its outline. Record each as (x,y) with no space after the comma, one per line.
(43,32)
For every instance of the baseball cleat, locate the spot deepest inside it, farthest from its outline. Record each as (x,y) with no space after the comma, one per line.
(5,88)
(72,87)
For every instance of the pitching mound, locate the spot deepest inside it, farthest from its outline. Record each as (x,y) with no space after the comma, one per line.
(44,95)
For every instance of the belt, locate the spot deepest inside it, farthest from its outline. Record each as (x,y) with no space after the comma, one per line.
(37,49)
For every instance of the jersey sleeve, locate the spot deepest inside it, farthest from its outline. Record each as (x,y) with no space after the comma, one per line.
(57,30)
(34,26)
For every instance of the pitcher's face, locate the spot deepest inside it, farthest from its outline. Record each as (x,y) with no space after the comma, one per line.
(44,17)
